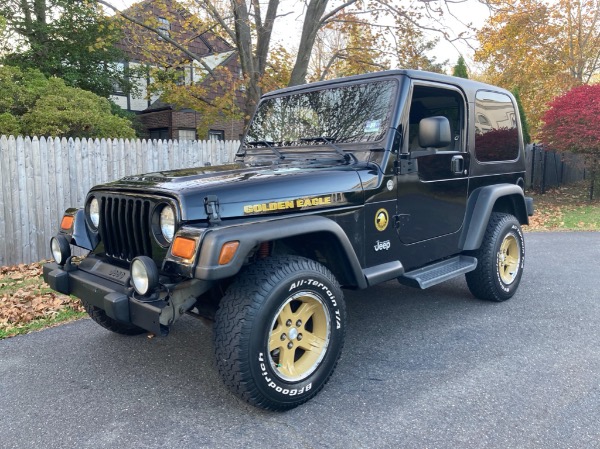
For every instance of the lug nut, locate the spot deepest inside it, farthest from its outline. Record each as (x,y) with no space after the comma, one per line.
(290,345)
(299,337)
(283,336)
(298,323)
(288,323)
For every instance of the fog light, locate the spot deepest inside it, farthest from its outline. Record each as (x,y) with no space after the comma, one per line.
(61,250)
(144,275)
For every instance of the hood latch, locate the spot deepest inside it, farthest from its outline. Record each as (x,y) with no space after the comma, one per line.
(211,206)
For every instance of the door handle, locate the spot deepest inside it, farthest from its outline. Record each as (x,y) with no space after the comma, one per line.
(457,164)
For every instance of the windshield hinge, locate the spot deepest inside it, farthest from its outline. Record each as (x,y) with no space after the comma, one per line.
(405,165)
(211,206)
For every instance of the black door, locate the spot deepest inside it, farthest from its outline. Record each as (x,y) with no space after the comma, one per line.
(432,198)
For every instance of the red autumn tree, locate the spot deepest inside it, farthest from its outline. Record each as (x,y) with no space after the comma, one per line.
(572,124)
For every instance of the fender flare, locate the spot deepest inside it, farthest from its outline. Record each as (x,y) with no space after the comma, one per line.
(80,235)
(479,208)
(252,234)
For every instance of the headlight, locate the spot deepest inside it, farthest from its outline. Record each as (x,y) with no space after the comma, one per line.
(61,250)
(94,211)
(144,275)
(167,223)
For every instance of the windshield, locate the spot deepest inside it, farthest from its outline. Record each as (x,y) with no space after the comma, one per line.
(355,113)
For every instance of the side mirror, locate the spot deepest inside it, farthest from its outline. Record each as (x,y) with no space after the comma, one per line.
(434,132)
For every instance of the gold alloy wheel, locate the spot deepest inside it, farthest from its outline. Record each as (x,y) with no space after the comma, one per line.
(509,259)
(299,336)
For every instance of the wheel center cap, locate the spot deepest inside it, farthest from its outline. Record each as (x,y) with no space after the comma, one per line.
(293,333)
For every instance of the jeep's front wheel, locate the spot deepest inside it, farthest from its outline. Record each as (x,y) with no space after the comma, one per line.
(279,332)
(500,260)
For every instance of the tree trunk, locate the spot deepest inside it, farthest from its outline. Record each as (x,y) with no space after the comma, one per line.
(312,23)
(243,35)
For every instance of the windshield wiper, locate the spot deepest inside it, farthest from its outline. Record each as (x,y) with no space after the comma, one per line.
(330,141)
(266,143)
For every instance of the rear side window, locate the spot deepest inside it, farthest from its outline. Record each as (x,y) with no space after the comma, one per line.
(496,133)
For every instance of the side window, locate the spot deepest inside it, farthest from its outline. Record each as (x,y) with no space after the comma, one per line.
(430,101)
(496,133)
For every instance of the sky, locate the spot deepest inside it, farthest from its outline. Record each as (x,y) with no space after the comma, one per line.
(288,28)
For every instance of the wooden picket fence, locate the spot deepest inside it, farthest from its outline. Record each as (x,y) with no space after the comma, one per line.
(40,178)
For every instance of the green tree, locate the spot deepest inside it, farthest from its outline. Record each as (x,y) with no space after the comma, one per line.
(33,105)
(69,39)
(460,69)
(522,116)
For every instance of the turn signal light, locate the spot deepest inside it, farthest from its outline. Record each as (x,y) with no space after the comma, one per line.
(227,252)
(67,222)
(183,247)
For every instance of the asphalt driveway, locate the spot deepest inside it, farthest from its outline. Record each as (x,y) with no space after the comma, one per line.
(421,369)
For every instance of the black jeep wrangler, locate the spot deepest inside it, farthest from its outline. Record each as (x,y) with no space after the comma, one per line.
(337,185)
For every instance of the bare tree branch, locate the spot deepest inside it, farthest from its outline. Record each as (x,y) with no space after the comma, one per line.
(336,10)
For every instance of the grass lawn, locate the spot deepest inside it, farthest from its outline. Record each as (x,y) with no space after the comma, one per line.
(27,304)
(565,209)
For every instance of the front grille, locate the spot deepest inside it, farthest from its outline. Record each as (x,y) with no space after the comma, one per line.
(125,226)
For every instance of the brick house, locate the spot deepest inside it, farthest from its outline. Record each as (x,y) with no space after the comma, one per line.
(162,120)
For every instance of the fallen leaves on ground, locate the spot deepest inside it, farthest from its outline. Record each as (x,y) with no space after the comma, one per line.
(25,297)
(552,206)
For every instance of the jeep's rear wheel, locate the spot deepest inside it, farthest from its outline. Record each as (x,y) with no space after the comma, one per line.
(500,260)
(100,317)
(279,332)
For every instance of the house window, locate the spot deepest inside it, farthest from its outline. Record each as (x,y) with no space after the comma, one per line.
(117,88)
(215,135)
(187,134)
(159,133)
(164,26)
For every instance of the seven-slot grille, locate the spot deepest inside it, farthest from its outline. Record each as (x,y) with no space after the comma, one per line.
(125,226)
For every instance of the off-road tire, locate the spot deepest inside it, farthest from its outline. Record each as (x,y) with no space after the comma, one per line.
(100,317)
(500,260)
(280,298)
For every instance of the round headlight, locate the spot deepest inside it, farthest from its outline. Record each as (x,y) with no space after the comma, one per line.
(61,250)
(167,223)
(94,211)
(144,275)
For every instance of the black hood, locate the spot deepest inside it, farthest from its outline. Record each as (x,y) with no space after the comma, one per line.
(249,190)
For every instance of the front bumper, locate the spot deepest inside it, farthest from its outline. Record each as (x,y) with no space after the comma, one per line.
(115,298)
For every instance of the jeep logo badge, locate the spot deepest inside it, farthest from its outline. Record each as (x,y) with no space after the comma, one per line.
(381,219)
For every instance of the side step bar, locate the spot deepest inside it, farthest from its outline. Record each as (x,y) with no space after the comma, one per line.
(438,272)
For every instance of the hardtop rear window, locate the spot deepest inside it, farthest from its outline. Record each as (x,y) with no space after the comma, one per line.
(496,133)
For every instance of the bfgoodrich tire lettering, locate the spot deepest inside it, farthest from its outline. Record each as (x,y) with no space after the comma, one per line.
(279,332)
(500,260)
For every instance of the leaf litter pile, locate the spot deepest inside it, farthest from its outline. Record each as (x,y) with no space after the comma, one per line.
(26,298)
(565,208)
